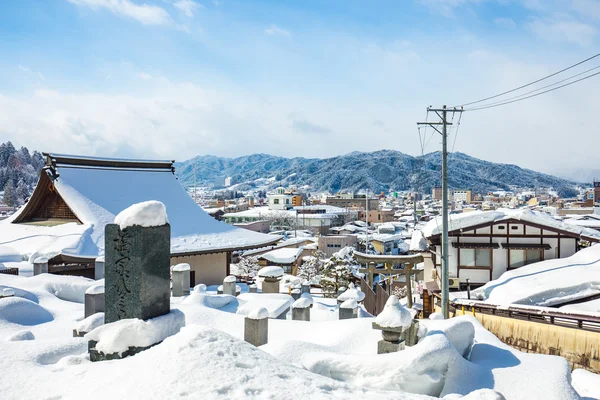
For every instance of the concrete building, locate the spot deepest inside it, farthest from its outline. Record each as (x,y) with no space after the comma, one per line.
(334,243)
(349,200)
(462,196)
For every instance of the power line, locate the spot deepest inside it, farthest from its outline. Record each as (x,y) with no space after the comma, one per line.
(532,83)
(456,132)
(539,89)
(533,95)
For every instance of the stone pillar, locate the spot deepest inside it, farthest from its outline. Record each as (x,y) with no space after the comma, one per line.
(256,327)
(40,266)
(391,339)
(229,285)
(270,285)
(186,282)
(409,299)
(301,309)
(99,268)
(348,309)
(411,335)
(94,300)
(306,287)
(137,271)
(296,294)
(178,283)
(271,277)
(252,289)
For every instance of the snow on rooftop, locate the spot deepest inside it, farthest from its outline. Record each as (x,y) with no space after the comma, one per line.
(417,241)
(466,220)
(147,213)
(282,256)
(547,283)
(96,196)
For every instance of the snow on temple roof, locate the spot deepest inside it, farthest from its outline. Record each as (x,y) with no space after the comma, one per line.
(97,195)
(467,220)
(283,256)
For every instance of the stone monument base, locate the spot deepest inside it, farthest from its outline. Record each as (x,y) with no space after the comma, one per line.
(384,347)
(99,356)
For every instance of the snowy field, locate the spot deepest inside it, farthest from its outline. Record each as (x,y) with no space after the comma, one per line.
(324,358)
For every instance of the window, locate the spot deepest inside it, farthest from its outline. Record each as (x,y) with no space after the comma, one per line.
(287,201)
(514,227)
(275,201)
(519,258)
(476,258)
(501,227)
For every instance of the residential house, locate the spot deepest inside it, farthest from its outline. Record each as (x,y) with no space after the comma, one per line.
(484,245)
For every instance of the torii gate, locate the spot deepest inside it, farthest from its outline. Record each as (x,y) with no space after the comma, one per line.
(388,261)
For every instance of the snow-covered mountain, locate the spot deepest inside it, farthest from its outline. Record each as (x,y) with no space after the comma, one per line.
(376,171)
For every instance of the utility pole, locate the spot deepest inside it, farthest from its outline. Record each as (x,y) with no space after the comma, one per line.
(442,114)
(415,195)
(195,189)
(367,221)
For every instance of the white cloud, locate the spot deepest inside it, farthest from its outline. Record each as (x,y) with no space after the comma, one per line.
(563,28)
(507,23)
(24,69)
(144,76)
(188,7)
(275,30)
(144,13)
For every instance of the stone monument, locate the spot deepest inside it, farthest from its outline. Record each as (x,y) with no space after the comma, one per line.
(137,271)
(392,321)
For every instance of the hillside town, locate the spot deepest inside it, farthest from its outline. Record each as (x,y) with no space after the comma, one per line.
(299,200)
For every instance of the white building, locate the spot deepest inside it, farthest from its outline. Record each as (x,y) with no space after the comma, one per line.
(228,181)
(279,200)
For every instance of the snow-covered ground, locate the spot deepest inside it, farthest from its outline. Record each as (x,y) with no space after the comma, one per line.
(324,358)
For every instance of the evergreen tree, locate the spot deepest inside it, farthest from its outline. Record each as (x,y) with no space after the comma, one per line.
(9,194)
(22,191)
(311,266)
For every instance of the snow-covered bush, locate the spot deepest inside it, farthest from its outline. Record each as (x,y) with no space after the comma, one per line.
(338,271)
(311,266)
(248,266)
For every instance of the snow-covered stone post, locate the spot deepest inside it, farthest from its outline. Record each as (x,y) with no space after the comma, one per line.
(348,309)
(253,288)
(411,335)
(271,276)
(7,292)
(306,287)
(352,293)
(229,285)
(393,320)
(256,327)
(296,294)
(186,281)
(301,309)
(94,300)
(99,268)
(178,274)
(40,266)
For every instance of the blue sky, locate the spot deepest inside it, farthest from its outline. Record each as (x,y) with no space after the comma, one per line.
(176,78)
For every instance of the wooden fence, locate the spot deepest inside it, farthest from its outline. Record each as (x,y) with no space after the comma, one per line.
(374,300)
(10,271)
